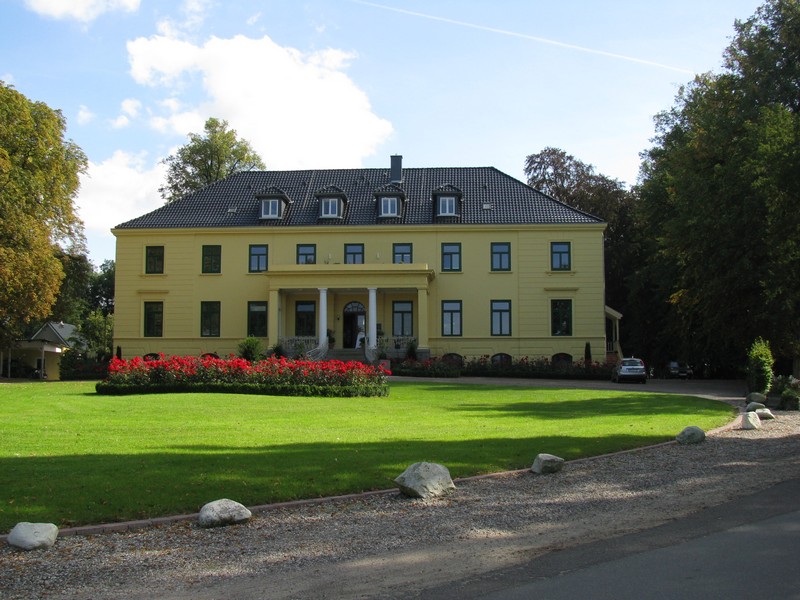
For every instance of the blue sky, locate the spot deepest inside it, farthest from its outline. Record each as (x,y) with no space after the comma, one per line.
(347,83)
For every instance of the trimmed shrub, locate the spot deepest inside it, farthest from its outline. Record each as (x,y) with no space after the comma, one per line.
(759,367)
(250,349)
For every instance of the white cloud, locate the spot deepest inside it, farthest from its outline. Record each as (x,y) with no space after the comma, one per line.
(80,10)
(84,115)
(131,107)
(297,110)
(254,19)
(120,122)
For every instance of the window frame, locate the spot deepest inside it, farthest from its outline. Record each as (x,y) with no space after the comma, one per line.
(211,262)
(500,322)
(501,258)
(210,318)
(329,207)
(263,330)
(555,330)
(152,322)
(353,251)
(312,320)
(275,206)
(397,251)
(251,256)
(154,260)
(557,256)
(389,206)
(299,253)
(452,318)
(447,257)
(406,317)
(448,201)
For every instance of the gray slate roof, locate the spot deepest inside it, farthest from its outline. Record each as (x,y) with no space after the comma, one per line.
(487,197)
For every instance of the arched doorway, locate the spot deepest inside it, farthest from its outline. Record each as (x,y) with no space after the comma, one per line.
(354,320)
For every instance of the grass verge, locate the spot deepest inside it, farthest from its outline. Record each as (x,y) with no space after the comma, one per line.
(70,456)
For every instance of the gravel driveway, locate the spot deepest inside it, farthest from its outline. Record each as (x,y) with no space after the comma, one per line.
(385,546)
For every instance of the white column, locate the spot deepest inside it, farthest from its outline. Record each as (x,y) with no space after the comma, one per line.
(323,317)
(372,321)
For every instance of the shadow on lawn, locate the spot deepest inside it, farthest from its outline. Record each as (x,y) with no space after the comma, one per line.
(82,489)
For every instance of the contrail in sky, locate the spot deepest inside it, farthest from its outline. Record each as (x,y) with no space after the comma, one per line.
(525,36)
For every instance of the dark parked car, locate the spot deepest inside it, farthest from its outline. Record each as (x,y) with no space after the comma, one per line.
(679,370)
(632,369)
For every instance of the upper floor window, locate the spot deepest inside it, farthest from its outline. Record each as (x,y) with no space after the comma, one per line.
(390,206)
(259,255)
(305,318)
(501,256)
(560,256)
(402,319)
(212,259)
(329,208)
(401,253)
(271,208)
(306,254)
(446,206)
(451,257)
(354,254)
(154,259)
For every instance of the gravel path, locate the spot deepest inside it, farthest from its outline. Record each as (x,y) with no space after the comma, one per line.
(385,546)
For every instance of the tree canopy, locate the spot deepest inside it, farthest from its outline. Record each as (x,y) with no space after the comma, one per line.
(39,177)
(207,158)
(718,198)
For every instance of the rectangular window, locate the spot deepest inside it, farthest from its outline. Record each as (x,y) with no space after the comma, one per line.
(306,254)
(447,206)
(257,319)
(451,317)
(501,317)
(209,319)
(389,206)
(329,208)
(560,256)
(451,257)
(402,319)
(501,256)
(561,317)
(154,259)
(354,254)
(305,318)
(401,253)
(259,258)
(271,208)
(153,319)
(212,259)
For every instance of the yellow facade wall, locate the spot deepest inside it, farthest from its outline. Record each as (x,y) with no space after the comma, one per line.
(530,285)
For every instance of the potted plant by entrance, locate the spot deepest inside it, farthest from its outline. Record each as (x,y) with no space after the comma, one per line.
(331,339)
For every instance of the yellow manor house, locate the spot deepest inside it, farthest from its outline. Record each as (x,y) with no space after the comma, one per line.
(465,261)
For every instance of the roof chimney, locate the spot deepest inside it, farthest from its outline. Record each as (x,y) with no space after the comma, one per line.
(396,175)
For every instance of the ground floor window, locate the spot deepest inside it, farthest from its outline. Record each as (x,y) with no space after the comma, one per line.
(402,319)
(210,319)
(305,318)
(451,317)
(501,317)
(257,319)
(153,319)
(561,317)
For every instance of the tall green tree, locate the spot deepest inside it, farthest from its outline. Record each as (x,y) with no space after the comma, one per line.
(208,157)
(101,288)
(719,194)
(39,177)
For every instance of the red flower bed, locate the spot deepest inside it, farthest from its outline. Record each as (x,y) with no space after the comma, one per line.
(271,376)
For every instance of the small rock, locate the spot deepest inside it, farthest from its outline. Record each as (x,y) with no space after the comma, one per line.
(33,536)
(764,414)
(754,406)
(547,463)
(750,420)
(756,397)
(691,435)
(425,480)
(223,512)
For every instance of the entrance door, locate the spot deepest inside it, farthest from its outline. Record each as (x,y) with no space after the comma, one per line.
(354,324)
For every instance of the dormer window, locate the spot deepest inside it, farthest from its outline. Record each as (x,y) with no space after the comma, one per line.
(389,206)
(447,206)
(329,208)
(271,208)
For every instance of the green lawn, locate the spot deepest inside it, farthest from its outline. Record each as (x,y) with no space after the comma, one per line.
(69,456)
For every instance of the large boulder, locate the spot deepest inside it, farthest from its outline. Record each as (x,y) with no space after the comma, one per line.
(754,406)
(751,420)
(547,463)
(765,414)
(691,435)
(33,536)
(223,512)
(756,397)
(425,480)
